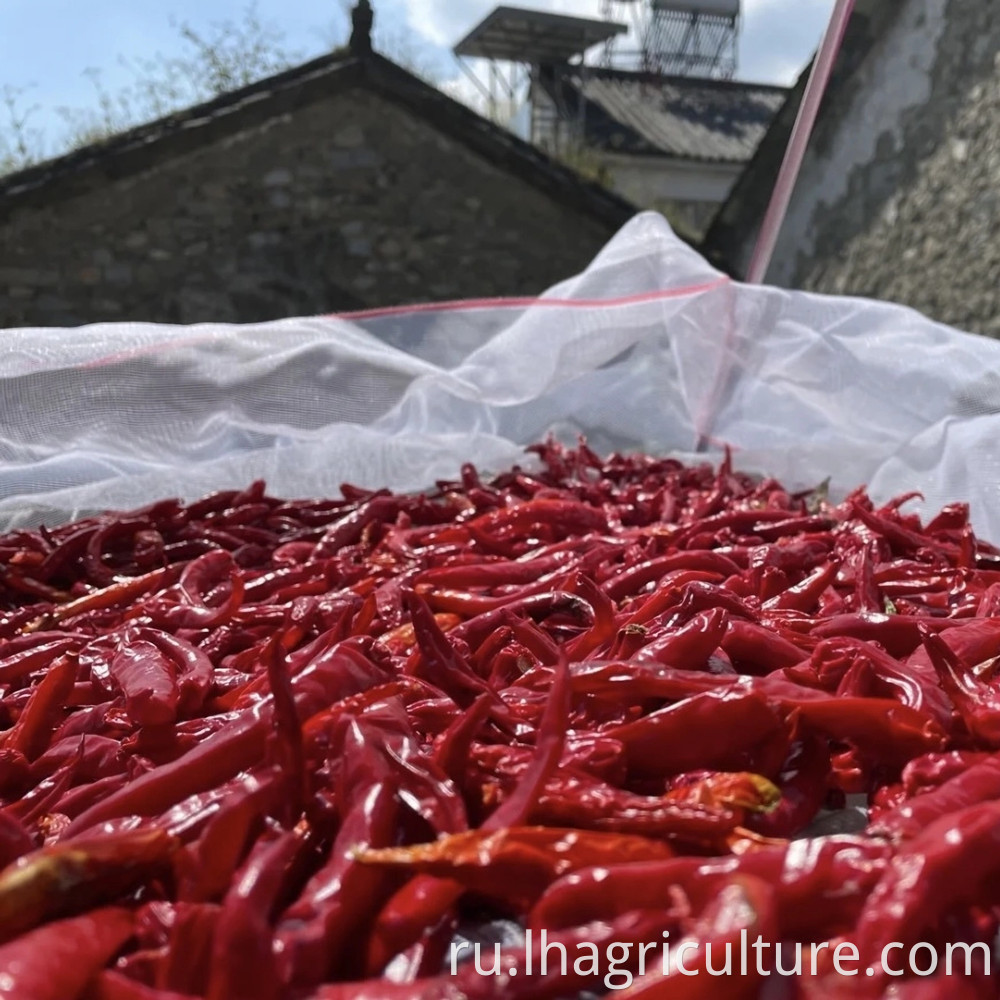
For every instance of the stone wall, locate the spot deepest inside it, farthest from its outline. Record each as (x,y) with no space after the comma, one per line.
(348,202)
(687,192)
(929,197)
(899,194)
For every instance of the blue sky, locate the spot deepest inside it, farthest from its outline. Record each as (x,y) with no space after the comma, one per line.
(46,46)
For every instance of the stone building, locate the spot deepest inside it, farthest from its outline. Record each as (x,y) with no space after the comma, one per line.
(342,184)
(899,195)
(672,143)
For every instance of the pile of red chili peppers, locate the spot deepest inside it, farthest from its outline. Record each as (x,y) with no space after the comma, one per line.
(262,749)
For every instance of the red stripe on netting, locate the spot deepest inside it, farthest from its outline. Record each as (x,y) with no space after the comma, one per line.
(530,303)
(427,307)
(144,350)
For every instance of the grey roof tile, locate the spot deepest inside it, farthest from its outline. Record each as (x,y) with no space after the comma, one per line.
(690,118)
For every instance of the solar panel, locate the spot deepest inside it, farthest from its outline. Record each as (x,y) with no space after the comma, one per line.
(712,8)
(512,34)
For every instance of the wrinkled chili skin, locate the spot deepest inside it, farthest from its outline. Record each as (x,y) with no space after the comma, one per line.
(287,749)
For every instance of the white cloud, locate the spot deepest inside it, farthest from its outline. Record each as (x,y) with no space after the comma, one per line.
(444,22)
(463,89)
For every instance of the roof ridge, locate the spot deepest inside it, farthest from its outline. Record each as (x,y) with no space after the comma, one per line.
(651,76)
(78,157)
(182,131)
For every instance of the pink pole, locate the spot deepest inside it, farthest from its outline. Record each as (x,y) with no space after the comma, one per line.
(804,123)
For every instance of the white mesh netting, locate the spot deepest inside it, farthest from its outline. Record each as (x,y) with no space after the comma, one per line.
(648,348)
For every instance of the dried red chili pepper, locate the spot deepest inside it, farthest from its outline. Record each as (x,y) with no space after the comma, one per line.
(976,782)
(421,903)
(75,875)
(243,961)
(822,884)
(56,962)
(734,724)
(952,863)
(516,864)
(111,985)
(637,651)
